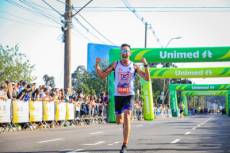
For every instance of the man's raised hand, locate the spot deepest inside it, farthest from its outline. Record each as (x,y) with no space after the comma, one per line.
(143,60)
(98,60)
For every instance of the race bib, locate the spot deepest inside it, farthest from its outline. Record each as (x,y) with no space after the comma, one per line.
(123,88)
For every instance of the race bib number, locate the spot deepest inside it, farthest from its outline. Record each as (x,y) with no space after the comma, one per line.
(123,88)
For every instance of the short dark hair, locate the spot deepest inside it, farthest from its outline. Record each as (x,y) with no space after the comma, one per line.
(123,45)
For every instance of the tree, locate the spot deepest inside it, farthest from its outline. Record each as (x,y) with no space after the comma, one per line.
(79,77)
(49,80)
(87,82)
(14,65)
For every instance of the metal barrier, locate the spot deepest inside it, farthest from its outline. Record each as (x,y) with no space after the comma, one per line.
(16,113)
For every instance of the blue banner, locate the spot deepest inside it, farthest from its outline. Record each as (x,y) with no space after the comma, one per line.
(98,50)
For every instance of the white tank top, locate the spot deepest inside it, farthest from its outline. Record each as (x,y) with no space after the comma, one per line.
(124,79)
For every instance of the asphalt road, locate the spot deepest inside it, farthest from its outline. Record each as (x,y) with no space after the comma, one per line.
(200,133)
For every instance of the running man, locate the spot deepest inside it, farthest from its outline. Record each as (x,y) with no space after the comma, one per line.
(125,72)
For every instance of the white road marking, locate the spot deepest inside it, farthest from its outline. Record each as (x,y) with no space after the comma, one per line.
(99,132)
(201,124)
(111,144)
(175,141)
(94,144)
(205,121)
(77,151)
(51,140)
(65,150)
(140,125)
(187,133)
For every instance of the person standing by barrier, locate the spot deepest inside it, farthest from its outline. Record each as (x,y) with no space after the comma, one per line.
(105,104)
(77,108)
(14,90)
(125,71)
(181,110)
(9,91)
(3,94)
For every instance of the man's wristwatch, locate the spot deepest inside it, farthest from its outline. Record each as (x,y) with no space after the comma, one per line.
(145,65)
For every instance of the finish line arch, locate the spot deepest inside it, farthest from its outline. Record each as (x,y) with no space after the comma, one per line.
(173,88)
(162,55)
(185,94)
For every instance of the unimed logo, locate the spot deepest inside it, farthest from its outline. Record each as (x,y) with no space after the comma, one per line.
(203,87)
(175,54)
(185,55)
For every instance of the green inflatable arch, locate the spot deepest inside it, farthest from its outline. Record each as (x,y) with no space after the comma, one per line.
(225,93)
(173,88)
(163,55)
(146,87)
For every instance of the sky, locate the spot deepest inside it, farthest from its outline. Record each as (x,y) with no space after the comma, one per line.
(36,28)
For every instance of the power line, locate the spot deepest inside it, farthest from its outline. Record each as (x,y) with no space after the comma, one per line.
(52,7)
(32,7)
(38,10)
(149,26)
(87,30)
(14,20)
(96,29)
(30,10)
(42,7)
(60,1)
(82,8)
(88,23)
(83,35)
(27,21)
(81,24)
(158,9)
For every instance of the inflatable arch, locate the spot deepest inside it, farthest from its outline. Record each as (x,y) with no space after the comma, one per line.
(173,88)
(164,55)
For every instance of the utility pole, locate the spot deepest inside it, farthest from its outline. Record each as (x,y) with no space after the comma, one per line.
(67,41)
(146,28)
(67,29)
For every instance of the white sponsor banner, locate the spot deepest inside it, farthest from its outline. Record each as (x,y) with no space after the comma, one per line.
(20,112)
(35,111)
(70,111)
(5,106)
(60,111)
(48,111)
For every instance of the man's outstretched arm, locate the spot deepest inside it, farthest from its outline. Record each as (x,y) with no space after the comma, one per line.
(144,74)
(103,74)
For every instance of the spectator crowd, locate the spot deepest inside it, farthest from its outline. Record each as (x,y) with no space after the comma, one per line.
(85,105)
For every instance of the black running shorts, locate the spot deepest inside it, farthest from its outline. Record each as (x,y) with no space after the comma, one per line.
(123,103)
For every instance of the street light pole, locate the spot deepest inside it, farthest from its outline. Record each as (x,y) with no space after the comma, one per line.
(146,29)
(164,83)
(170,40)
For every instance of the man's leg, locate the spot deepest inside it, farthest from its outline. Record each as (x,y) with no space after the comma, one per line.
(119,119)
(127,126)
